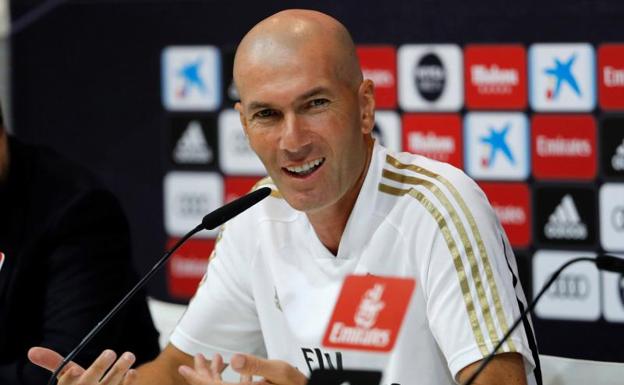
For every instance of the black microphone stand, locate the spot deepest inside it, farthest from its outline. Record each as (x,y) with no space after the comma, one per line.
(210,221)
(553,278)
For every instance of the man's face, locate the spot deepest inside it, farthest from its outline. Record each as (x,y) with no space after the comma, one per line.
(307,126)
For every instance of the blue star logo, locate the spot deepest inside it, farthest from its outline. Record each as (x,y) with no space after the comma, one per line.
(192,78)
(496,139)
(562,71)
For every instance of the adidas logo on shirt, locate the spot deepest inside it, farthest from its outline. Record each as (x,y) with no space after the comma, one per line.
(617,161)
(192,146)
(565,222)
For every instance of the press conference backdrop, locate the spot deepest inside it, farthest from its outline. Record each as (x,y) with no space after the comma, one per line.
(527,97)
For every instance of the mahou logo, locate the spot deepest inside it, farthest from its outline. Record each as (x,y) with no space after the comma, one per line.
(564,147)
(363,319)
(436,136)
(495,76)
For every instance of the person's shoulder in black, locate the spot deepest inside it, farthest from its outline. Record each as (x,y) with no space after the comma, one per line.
(68,261)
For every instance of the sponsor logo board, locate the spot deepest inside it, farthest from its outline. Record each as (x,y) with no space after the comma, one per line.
(387,130)
(612,216)
(187,266)
(564,147)
(236,187)
(611,76)
(496,145)
(193,142)
(436,136)
(612,146)
(379,65)
(565,216)
(613,295)
(562,77)
(191,78)
(369,313)
(430,77)
(575,295)
(512,204)
(236,156)
(188,197)
(495,76)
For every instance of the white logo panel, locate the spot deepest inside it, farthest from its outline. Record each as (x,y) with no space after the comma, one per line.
(188,197)
(562,77)
(575,295)
(235,155)
(612,216)
(389,134)
(430,77)
(191,78)
(496,145)
(613,295)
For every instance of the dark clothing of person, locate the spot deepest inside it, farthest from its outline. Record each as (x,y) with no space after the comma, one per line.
(68,261)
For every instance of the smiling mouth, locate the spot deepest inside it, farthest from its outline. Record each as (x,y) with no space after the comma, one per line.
(305,169)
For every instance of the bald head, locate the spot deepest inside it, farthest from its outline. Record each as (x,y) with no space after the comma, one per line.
(288,34)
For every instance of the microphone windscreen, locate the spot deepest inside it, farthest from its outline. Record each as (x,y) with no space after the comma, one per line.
(610,263)
(232,209)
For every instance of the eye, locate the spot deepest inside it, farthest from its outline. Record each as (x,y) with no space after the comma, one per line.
(264,114)
(315,103)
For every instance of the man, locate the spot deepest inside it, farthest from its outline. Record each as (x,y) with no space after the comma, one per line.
(67,262)
(341,205)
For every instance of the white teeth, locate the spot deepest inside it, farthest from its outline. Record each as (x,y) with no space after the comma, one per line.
(304,168)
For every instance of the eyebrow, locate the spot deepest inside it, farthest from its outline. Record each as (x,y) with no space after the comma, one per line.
(256,105)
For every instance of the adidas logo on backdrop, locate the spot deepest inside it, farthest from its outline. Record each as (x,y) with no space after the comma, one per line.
(565,222)
(192,146)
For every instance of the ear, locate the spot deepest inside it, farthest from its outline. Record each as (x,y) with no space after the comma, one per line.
(366,94)
(239,107)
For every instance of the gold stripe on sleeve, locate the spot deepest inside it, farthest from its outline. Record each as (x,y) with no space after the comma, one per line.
(475,231)
(459,266)
(474,267)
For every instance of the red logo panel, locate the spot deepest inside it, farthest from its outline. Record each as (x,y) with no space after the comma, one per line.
(187,266)
(236,187)
(437,136)
(611,76)
(564,147)
(379,65)
(495,76)
(512,204)
(369,313)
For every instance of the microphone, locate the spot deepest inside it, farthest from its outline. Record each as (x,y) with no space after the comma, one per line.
(603,262)
(209,222)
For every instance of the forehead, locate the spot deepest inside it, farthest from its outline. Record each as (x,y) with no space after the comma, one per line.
(282,77)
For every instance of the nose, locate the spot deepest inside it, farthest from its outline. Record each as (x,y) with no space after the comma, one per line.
(294,139)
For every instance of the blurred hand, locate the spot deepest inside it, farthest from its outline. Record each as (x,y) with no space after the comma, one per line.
(274,372)
(73,374)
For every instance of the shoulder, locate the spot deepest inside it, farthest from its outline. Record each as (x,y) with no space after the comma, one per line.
(274,209)
(427,180)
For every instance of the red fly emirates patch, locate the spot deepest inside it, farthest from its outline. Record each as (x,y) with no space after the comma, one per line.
(379,65)
(495,76)
(436,136)
(369,313)
(564,147)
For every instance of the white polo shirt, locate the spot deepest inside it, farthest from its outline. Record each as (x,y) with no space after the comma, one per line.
(271,285)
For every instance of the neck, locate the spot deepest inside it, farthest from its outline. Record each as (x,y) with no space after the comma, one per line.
(329,223)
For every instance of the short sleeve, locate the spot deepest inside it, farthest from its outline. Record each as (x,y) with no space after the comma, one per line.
(221,317)
(468,282)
